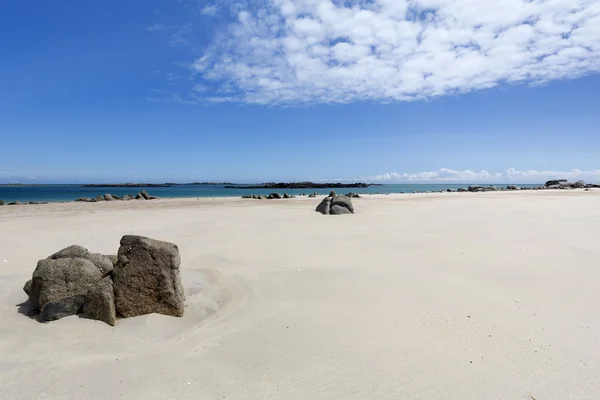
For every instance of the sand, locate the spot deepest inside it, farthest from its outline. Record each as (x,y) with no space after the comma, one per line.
(442,296)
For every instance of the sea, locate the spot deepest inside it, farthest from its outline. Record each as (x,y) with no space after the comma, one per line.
(58,193)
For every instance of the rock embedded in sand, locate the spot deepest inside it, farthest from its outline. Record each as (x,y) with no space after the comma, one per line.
(145,195)
(59,287)
(324,206)
(335,205)
(1,202)
(343,201)
(103,263)
(338,210)
(99,302)
(146,278)
(108,197)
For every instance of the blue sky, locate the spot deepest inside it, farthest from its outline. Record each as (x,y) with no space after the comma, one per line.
(159,90)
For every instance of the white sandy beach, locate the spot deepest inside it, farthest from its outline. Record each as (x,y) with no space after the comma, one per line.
(443,296)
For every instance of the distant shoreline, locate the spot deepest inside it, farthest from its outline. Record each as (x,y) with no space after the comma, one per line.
(303,185)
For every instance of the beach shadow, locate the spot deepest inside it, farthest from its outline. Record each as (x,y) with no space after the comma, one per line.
(27,309)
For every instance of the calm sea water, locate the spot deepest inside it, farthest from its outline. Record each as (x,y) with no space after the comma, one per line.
(71,192)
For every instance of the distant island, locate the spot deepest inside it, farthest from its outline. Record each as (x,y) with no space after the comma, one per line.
(168,184)
(117,185)
(203,184)
(303,185)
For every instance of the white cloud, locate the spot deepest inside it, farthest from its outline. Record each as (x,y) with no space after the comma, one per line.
(157,27)
(209,10)
(468,176)
(333,51)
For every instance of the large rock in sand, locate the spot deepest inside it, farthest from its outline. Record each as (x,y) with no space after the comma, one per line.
(100,302)
(324,206)
(59,287)
(335,205)
(103,263)
(146,278)
(338,210)
(343,201)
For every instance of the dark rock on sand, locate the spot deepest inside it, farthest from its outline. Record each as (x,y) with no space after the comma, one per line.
(145,195)
(146,278)
(555,182)
(286,196)
(139,197)
(99,302)
(108,197)
(312,195)
(1,202)
(59,287)
(100,198)
(274,196)
(103,263)
(335,205)
(127,197)
(461,190)
(324,206)
(343,201)
(338,210)
(353,195)
(512,187)
(247,197)
(15,203)
(86,200)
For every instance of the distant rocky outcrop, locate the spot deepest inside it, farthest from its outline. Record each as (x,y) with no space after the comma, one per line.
(565,184)
(143,195)
(121,185)
(302,185)
(142,279)
(335,205)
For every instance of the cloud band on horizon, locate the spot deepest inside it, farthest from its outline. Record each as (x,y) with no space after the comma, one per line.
(511,175)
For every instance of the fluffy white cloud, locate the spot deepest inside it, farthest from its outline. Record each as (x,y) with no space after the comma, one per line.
(510,175)
(334,51)
(209,10)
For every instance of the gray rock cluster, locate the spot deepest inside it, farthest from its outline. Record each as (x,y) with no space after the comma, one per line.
(18,203)
(287,196)
(143,195)
(142,279)
(564,184)
(550,185)
(335,205)
(269,197)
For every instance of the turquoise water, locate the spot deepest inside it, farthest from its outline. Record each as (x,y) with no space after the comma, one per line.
(53,193)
